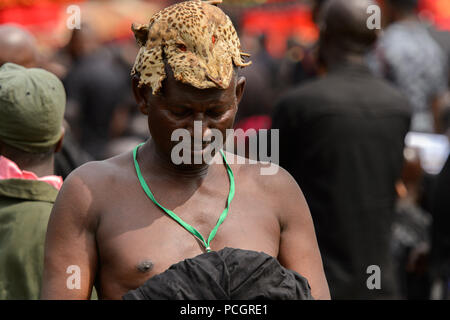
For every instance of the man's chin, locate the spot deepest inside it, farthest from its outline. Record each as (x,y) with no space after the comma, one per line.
(201,157)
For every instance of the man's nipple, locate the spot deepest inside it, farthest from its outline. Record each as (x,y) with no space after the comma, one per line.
(144,266)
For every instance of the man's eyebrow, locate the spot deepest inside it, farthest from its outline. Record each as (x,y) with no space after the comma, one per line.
(218,106)
(178,104)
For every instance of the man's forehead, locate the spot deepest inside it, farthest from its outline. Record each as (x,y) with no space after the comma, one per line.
(176,92)
(172,89)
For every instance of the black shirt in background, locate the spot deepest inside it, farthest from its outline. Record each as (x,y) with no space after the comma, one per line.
(440,247)
(342,138)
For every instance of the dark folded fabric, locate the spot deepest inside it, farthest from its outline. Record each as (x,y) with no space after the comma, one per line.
(228,274)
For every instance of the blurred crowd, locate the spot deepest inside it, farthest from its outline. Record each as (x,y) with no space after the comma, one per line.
(410,54)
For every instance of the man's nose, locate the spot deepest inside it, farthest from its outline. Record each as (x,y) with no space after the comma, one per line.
(200,130)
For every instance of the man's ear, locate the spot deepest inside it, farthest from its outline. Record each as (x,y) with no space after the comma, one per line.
(59,144)
(140,94)
(240,86)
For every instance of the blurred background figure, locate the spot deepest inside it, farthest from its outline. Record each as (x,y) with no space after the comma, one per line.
(97,84)
(17,46)
(440,236)
(411,231)
(414,55)
(293,69)
(100,109)
(259,91)
(410,58)
(343,143)
(442,107)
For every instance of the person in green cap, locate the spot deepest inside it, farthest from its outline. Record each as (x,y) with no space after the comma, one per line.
(32,104)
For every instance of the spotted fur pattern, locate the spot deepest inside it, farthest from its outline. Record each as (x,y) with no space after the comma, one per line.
(198,41)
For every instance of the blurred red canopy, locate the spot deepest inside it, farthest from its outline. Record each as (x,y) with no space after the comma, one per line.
(278,19)
(438,11)
(15,3)
(46,19)
(281,23)
(32,12)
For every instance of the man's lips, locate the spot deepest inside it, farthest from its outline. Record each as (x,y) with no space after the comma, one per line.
(196,147)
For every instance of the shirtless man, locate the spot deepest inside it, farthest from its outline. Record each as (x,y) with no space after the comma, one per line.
(104,223)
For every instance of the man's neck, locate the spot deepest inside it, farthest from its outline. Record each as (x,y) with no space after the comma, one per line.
(154,160)
(43,169)
(40,165)
(355,60)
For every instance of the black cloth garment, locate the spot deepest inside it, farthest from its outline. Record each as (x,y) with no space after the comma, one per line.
(228,274)
(440,234)
(342,139)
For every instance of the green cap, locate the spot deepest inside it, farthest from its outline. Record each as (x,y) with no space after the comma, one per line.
(32,104)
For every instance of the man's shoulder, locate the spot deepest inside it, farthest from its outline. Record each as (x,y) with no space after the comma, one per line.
(26,213)
(342,90)
(109,166)
(303,98)
(89,189)
(392,98)
(98,175)
(274,189)
(267,178)
(309,89)
(329,89)
(24,190)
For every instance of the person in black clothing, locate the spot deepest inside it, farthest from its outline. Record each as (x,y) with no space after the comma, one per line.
(342,139)
(97,86)
(411,230)
(440,235)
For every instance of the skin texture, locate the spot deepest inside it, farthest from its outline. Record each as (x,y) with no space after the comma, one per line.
(103,222)
(18,46)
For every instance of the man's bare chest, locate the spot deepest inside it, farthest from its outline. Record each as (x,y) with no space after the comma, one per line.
(137,240)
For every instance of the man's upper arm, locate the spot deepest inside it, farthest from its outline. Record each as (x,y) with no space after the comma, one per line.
(70,247)
(299,250)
